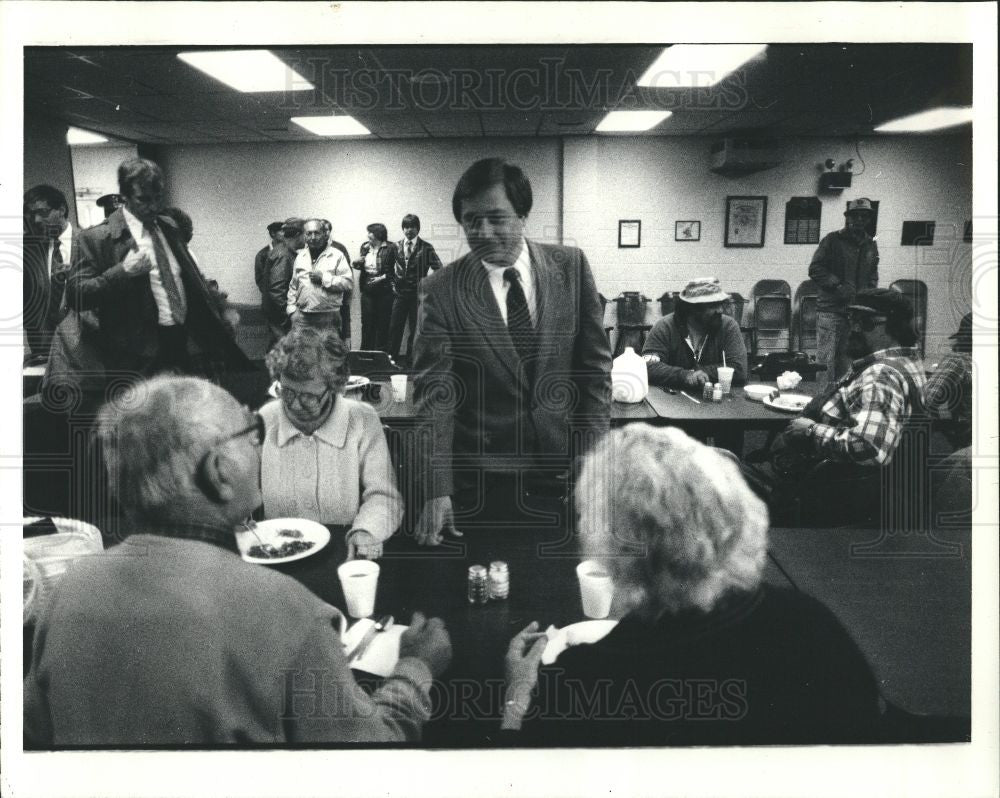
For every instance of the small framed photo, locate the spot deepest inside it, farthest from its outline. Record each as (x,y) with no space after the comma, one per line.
(687,231)
(629,233)
(745,221)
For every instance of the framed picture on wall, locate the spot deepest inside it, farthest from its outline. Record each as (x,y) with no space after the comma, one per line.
(629,233)
(745,221)
(687,231)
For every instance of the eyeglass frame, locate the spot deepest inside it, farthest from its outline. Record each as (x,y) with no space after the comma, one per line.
(258,426)
(296,396)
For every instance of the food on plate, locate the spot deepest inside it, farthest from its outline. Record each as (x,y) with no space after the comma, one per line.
(268,551)
(291,533)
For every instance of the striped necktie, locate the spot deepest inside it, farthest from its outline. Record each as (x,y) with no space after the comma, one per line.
(522,332)
(177,308)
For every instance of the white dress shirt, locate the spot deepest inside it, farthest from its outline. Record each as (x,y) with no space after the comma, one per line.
(523,265)
(145,241)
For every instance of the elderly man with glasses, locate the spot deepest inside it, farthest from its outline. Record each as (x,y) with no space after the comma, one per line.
(170,639)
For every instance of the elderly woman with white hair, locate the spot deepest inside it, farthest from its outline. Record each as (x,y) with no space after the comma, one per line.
(707,652)
(325,456)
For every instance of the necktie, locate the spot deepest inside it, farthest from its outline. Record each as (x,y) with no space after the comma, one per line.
(57,258)
(409,250)
(177,309)
(522,333)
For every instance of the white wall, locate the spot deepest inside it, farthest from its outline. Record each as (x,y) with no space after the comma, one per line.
(661,180)
(233,191)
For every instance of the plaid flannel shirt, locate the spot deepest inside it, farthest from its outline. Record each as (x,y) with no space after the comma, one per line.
(863,420)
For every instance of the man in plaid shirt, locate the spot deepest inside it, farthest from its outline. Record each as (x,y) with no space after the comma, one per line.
(858,422)
(862,420)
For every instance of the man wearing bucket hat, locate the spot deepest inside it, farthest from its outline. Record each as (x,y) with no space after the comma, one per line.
(685,348)
(845,262)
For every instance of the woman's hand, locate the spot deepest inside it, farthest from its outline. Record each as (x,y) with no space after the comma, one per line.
(361,545)
(524,654)
(436,519)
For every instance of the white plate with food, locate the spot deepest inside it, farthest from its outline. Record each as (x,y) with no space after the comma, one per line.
(758,392)
(281,540)
(788,402)
(355,382)
(574,635)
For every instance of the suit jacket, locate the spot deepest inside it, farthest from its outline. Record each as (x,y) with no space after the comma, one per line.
(124,306)
(472,387)
(409,273)
(277,274)
(43,293)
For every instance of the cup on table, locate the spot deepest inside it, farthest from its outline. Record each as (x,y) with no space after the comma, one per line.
(725,379)
(359,580)
(398,387)
(596,588)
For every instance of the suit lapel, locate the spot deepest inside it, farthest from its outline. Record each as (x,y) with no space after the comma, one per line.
(478,310)
(550,304)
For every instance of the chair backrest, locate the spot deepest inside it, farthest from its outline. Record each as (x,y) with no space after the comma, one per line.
(668,301)
(771,287)
(772,313)
(631,308)
(734,307)
(806,288)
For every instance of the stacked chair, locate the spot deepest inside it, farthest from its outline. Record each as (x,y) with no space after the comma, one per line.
(632,327)
(772,316)
(804,314)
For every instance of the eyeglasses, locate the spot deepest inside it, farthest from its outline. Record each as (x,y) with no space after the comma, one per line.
(256,427)
(307,401)
(865,321)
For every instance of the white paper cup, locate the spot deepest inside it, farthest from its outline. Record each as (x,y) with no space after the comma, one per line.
(359,580)
(596,589)
(725,378)
(398,387)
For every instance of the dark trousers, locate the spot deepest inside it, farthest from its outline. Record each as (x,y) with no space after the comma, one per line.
(172,354)
(376,313)
(404,311)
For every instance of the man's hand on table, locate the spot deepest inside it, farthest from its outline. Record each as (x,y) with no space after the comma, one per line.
(427,639)
(799,428)
(361,545)
(695,379)
(436,519)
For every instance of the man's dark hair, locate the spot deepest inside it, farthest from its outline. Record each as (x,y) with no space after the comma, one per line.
(274,227)
(411,220)
(50,195)
(138,170)
(379,231)
(490,172)
(184,224)
(328,226)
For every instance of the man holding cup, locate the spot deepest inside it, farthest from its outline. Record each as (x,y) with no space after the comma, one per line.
(697,343)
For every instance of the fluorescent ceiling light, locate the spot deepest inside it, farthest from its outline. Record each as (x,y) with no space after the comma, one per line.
(934,119)
(332,125)
(697,66)
(631,121)
(248,70)
(77,136)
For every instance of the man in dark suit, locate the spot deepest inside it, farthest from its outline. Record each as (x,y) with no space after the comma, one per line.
(414,259)
(50,244)
(260,260)
(151,304)
(512,364)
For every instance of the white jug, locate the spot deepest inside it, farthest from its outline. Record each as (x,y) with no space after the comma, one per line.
(629,379)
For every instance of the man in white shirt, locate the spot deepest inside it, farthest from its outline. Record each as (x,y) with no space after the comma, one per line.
(48,253)
(320,277)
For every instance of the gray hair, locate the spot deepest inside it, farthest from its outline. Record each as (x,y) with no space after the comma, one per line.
(154,446)
(679,530)
(308,352)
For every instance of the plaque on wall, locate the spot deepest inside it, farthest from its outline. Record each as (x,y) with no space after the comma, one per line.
(802,215)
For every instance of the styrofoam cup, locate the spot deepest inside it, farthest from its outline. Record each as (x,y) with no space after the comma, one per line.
(596,588)
(398,387)
(359,580)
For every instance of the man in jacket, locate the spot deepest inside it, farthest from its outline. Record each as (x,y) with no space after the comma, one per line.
(512,364)
(320,277)
(845,262)
(414,259)
(277,275)
(260,260)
